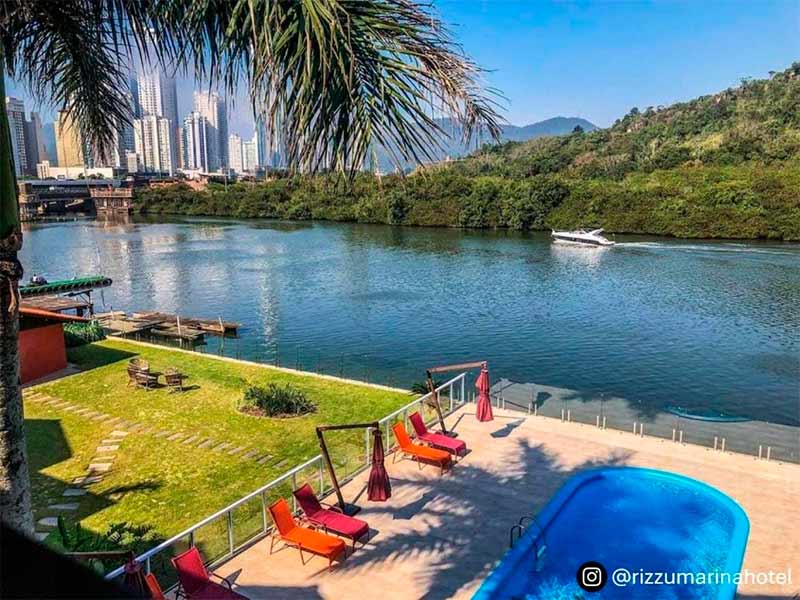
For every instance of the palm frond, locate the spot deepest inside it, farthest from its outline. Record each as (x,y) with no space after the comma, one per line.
(336,77)
(76,55)
(340,76)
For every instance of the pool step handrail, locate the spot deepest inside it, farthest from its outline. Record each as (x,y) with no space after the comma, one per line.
(539,549)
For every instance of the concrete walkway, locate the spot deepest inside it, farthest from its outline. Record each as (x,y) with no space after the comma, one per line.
(438,537)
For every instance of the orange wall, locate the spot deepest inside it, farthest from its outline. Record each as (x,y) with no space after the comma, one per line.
(41,351)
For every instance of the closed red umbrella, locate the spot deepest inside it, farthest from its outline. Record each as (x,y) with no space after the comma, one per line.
(379,487)
(134,579)
(483,409)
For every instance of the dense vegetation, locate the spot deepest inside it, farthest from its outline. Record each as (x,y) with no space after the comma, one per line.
(723,165)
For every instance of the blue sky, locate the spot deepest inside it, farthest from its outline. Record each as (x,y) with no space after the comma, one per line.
(596,60)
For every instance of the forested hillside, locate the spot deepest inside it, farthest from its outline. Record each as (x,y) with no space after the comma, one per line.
(723,165)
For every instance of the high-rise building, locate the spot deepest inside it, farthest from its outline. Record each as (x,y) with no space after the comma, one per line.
(271,146)
(136,108)
(250,155)
(35,150)
(235,157)
(49,141)
(69,146)
(195,142)
(16,122)
(152,136)
(213,108)
(158,97)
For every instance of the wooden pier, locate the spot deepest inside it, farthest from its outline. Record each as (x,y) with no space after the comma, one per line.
(215,327)
(188,331)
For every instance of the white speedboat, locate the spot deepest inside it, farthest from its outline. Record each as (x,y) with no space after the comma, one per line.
(582,237)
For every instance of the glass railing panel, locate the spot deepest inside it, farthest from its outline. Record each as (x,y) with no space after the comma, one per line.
(248,521)
(212,539)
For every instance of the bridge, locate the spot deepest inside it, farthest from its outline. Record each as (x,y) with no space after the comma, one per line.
(47,197)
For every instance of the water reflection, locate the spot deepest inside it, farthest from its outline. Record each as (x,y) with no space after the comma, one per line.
(659,322)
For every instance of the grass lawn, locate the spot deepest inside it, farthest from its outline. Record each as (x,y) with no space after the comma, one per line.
(166,484)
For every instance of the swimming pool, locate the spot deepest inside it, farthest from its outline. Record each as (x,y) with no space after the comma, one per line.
(640,520)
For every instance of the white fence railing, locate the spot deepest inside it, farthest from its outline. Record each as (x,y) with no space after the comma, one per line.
(231,543)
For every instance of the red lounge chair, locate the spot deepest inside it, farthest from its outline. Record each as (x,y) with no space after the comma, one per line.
(417,451)
(195,581)
(303,537)
(437,440)
(331,518)
(156,593)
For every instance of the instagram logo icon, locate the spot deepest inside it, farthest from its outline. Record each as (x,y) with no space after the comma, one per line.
(592,576)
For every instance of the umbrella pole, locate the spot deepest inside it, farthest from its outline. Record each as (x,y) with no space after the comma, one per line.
(435,401)
(348,509)
(329,465)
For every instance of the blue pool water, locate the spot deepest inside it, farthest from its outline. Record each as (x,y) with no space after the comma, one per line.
(640,520)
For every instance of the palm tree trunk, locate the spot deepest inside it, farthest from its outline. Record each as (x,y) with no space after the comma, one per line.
(15,487)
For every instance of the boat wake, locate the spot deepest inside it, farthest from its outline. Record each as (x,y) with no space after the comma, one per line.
(724,248)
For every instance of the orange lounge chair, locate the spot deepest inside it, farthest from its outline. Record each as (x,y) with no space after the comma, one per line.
(419,452)
(303,537)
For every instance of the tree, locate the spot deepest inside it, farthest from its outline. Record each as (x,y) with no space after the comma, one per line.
(336,75)
(577,129)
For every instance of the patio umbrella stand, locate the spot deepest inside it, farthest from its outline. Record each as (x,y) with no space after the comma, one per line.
(379,488)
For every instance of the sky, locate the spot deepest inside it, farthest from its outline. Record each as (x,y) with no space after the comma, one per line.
(598,59)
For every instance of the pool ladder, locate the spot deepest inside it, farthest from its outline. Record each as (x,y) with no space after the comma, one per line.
(538,548)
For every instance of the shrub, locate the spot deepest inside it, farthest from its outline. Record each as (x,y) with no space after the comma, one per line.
(118,537)
(276,401)
(78,334)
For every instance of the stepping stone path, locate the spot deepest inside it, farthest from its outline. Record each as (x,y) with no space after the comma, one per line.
(103,461)
(101,464)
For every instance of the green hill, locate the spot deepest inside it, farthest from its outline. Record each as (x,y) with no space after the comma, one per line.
(725,165)
(759,120)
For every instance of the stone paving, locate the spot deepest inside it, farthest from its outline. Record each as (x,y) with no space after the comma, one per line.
(103,461)
(439,536)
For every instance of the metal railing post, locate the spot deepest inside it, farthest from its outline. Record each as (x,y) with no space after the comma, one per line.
(366,446)
(463,393)
(263,512)
(147,565)
(294,487)
(230,531)
(321,478)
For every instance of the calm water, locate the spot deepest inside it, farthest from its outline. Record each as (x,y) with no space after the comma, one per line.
(659,322)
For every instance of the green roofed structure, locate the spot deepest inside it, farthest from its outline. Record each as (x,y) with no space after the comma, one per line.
(65,286)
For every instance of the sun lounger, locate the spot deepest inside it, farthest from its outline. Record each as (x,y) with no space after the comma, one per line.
(303,538)
(330,519)
(419,452)
(195,581)
(437,440)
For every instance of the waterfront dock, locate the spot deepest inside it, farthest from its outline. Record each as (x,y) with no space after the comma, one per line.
(188,331)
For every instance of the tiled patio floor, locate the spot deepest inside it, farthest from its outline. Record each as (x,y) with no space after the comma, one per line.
(438,537)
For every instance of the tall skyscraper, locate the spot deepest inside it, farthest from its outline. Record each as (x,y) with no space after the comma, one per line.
(195,142)
(34,143)
(136,108)
(158,97)
(250,155)
(235,157)
(152,136)
(69,146)
(213,108)
(16,122)
(271,147)
(49,140)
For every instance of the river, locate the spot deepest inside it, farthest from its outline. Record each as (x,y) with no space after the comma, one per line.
(660,322)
